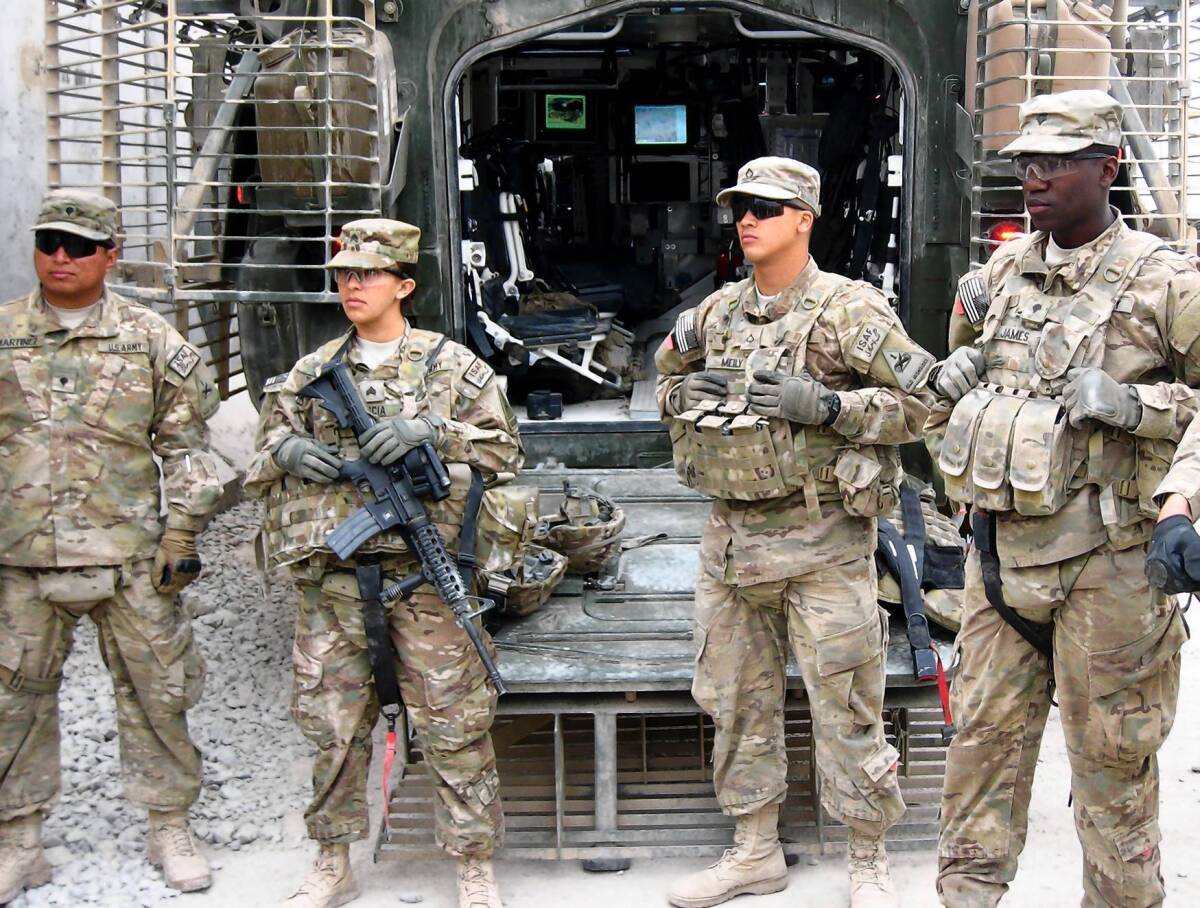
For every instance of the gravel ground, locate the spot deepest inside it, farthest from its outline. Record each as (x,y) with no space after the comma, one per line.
(255,759)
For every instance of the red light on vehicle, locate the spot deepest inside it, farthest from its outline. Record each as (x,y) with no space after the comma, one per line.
(337,244)
(1005,231)
(241,195)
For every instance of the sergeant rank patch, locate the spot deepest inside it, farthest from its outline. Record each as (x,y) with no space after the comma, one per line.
(910,368)
(184,361)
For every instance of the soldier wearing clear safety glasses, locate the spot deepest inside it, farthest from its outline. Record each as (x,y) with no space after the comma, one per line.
(1058,414)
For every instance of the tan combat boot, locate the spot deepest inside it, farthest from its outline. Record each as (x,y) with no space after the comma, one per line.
(171,847)
(753,866)
(330,882)
(871,883)
(22,862)
(477,884)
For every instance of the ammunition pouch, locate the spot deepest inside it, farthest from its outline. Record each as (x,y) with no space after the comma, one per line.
(1007,450)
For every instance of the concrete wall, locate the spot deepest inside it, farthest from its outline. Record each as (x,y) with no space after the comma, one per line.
(22,143)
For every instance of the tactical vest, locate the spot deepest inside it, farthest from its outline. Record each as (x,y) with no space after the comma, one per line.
(1008,445)
(722,449)
(300,514)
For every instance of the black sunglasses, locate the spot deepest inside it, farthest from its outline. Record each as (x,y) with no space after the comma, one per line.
(75,246)
(762,209)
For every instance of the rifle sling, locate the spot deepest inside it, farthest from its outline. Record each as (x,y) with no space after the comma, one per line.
(1039,636)
(379,642)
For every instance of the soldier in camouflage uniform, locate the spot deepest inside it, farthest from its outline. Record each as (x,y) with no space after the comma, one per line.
(1057,424)
(1175,544)
(786,395)
(421,387)
(92,389)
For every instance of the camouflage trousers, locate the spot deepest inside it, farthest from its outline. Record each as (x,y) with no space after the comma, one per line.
(446,697)
(146,642)
(1116,670)
(838,635)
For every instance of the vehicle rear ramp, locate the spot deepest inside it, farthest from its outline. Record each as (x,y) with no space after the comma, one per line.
(604,756)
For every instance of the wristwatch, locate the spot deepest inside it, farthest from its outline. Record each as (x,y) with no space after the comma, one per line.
(835,409)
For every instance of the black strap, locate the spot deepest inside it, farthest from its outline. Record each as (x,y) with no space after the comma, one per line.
(435,353)
(894,552)
(379,642)
(466,537)
(914,527)
(1039,636)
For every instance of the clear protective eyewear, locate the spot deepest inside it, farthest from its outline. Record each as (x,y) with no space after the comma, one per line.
(1047,167)
(361,276)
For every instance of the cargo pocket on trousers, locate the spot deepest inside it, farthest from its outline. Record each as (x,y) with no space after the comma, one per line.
(451,683)
(185,680)
(1134,690)
(839,654)
(704,692)
(307,673)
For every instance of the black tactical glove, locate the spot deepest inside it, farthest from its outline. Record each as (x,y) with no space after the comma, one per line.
(697,387)
(308,459)
(1173,560)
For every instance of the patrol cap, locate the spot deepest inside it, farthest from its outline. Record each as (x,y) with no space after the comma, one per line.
(376,243)
(780,179)
(83,213)
(1066,122)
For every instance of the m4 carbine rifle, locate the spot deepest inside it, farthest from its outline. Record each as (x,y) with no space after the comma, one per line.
(393,502)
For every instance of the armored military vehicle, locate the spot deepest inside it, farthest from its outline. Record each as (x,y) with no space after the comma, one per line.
(562,157)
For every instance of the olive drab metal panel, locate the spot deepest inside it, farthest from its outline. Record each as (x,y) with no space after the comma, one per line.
(1141,53)
(235,136)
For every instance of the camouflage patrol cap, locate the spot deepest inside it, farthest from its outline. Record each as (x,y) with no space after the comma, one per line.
(781,179)
(1066,122)
(84,213)
(376,243)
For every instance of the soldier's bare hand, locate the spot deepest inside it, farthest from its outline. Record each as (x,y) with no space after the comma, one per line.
(176,563)
(701,386)
(1094,394)
(798,398)
(390,439)
(308,459)
(960,372)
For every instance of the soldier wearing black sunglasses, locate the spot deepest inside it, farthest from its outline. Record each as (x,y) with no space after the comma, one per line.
(787,394)
(95,390)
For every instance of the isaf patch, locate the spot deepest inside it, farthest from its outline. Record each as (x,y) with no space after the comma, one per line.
(478,373)
(184,361)
(275,382)
(870,338)
(973,297)
(910,367)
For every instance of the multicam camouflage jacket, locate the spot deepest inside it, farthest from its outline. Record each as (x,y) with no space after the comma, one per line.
(857,347)
(426,378)
(83,414)
(1149,342)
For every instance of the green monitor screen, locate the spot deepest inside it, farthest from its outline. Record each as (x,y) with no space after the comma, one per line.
(566,112)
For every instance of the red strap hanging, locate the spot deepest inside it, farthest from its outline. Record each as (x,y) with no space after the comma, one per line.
(943,689)
(389,757)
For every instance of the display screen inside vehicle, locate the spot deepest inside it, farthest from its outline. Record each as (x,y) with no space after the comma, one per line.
(566,112)
(660,124)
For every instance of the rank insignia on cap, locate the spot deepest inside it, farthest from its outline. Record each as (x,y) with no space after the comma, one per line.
(184,361)
(973,296)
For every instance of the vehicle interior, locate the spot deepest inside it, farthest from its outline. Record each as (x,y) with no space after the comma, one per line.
(589,161)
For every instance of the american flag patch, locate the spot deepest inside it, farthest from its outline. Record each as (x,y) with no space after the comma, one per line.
(684,333)
(973,297)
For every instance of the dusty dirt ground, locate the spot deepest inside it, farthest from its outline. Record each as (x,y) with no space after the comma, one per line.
(257,764)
